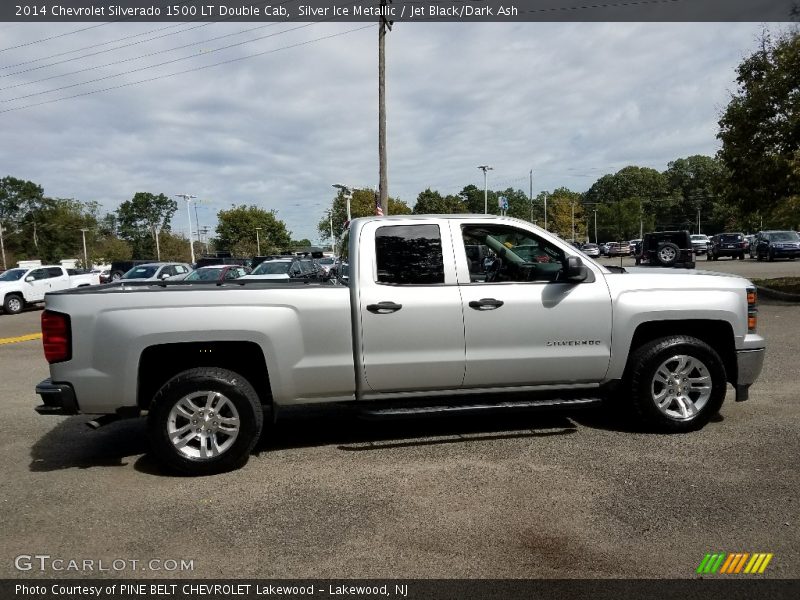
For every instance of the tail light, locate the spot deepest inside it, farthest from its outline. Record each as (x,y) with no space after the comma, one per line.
(752,310)
(56,336)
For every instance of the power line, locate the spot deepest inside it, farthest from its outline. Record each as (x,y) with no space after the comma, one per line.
(129,45)
(167,75)
(122,39)
(161,64)
(141,56)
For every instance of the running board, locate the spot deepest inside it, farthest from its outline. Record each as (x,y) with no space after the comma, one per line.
(399,412)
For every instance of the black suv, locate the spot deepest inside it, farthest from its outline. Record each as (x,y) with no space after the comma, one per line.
(776,244)
(665,248)
(727,244)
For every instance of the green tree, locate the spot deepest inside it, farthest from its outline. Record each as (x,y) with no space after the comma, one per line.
(432,202)
(236,231)
(139,218)
(760,132)
(16,195)
(695,183)
(565,212)
(631,200)
(362,204)
(108,249)
(51,229)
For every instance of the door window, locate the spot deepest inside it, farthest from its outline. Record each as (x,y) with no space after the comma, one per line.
(510,255)
(409,255)
(54,272)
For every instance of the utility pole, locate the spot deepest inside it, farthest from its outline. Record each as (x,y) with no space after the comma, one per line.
(383,185)
(573,220)
(595,225)
(156,232)
(2,246)
(530,194)
(188,198)
(485,168)
(205,236)
(333,239)
(258,242)
(85,257)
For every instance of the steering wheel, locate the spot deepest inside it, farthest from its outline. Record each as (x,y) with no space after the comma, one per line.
(493,272)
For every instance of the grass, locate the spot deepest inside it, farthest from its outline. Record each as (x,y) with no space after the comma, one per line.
(782,284)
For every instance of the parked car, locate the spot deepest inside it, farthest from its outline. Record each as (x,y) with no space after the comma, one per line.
(591,250)
(327,265)
(770,245)
(666,249)
(23,286)
(727,244)
(213,273)
(120,267)
(633,244)
(285,269)
(701,243)
(155,271)
(619,249)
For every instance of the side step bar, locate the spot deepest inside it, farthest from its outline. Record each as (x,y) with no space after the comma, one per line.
(400,412)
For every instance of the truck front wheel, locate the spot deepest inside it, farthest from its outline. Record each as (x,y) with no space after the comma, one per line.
(204,421)
(677,383)
(13,304)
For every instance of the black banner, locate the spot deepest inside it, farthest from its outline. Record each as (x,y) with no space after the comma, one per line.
(732,588)
(401,10)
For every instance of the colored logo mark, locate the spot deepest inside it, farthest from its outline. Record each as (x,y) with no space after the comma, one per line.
(732,563)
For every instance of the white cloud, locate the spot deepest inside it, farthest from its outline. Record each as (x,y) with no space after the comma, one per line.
(571,101)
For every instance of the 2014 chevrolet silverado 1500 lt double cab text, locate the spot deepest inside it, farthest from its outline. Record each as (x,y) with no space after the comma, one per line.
(420,326)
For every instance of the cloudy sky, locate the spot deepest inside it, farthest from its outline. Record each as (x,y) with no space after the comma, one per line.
(572,101)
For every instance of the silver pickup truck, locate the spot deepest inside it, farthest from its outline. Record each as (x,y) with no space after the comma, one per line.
(437,309)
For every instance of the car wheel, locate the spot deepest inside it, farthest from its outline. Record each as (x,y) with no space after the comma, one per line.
(771,256)
(741,256)
(116,275)
(667,254)
(13,304)
(204,420)
(677,383)
(637,261)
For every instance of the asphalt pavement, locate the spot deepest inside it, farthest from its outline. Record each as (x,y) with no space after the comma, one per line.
(575,494)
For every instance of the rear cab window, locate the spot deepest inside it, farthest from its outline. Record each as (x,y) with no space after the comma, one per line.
(409,255)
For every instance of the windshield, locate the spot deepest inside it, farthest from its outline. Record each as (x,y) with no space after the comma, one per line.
(140,273)
(13,275)
(204,275)
(272,268)
(784,236)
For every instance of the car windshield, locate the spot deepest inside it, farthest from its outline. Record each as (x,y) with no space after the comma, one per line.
(272,268)
(140,273)
(784,236)
(13,275)
(204,275)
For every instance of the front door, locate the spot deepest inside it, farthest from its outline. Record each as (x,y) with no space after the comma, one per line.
(523,324)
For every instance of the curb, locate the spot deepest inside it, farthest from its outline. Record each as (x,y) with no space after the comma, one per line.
(764,292)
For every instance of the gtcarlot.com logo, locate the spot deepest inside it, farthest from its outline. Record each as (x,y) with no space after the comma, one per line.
(46,563)
(734,563)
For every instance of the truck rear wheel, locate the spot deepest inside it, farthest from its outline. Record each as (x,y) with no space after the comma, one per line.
(13,304)
(204,421)
(676,383)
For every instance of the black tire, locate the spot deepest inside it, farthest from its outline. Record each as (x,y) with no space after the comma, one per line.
(242,402)
(771,256)
(709,256)
(13,304)
(644,384)
(690,265)
(637,260)
(667,254)
(741,256)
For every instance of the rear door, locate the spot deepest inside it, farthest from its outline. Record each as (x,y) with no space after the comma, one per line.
(409,307)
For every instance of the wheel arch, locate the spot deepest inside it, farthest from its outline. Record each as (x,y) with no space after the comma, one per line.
(161,362)
(716,333)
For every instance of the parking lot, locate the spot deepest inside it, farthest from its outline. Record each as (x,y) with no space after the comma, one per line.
(575,494)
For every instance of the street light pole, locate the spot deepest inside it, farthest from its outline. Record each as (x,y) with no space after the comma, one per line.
(595,225)
(2,246)
(485,168)
(258,241)
(188,198)
(333,239)
(85,257)
(348,195)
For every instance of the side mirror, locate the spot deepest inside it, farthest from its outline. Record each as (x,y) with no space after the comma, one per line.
(574,269)
(164,275)
(29,278)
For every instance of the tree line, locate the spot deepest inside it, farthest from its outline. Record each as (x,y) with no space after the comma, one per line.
(752,183)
